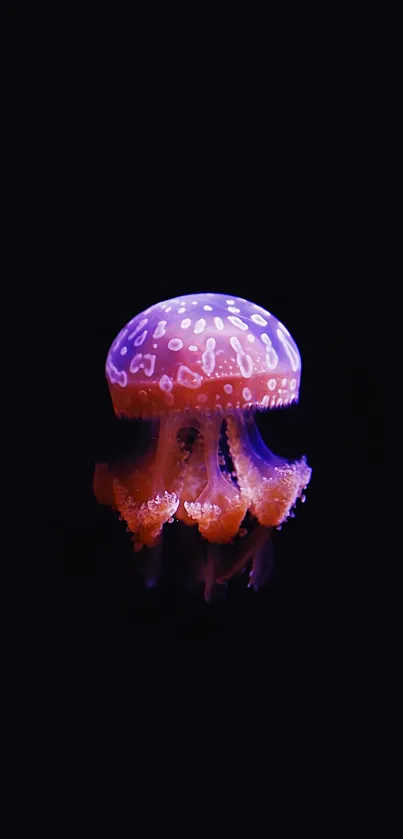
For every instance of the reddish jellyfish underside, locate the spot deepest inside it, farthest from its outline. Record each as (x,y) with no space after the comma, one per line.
(198,367)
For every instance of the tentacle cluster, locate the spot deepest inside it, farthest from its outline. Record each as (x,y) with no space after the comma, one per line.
(271,483)
(191,482)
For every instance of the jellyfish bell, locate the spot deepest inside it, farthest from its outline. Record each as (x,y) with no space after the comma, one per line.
(199,367)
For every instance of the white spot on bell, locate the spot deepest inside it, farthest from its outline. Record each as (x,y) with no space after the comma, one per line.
(207,309)
(136,362)
(238,322)
(271,358)
(202,397)
(292,354)
(188,378)
(138,328)
(219,324)
(175,344)
(186,323)
(245,365)
(140,339)
(246,394)
(116,375)
(293,384)
(123,351)
(181,310)
(208,357)
(271,384)
(251,338)
(236,344)
(193,348)
(258,319)
(228,389)
(149,365)
(165,383)
(234,310)
(199,326)
(160,330)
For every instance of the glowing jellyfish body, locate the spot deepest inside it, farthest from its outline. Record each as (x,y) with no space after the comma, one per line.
(199,366)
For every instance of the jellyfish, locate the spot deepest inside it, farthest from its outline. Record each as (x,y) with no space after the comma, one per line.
(197,368)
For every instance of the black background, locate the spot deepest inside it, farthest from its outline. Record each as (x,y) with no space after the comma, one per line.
(156,158)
